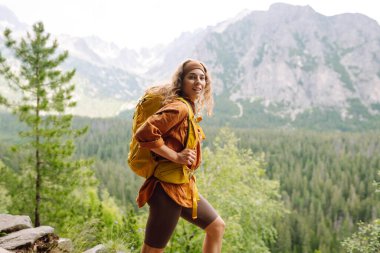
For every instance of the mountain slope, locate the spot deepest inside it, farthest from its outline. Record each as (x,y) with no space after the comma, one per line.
(288,65)
(297,58)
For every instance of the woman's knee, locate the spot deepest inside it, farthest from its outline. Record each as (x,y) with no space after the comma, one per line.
(216,228)
(147,249)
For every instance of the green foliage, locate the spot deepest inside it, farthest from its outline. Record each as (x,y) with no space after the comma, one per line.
(5,199)
(234,180)
(263,117)
(106,224)
(186,238)
(119,180)
(17,183)
(323,119)
(256,115)
(366,240)
(326,182)
(107,141)
(375,106)
(89,218)
(357,109)
(83,235)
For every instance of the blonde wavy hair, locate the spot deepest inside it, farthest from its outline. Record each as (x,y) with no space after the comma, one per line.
(172,90)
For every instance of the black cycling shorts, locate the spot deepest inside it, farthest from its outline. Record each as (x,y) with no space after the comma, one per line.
(164,214)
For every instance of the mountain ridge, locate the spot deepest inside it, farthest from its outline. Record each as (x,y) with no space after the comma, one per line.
(289,60)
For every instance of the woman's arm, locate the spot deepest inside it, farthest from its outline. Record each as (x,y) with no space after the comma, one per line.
(149,135)
(186,156)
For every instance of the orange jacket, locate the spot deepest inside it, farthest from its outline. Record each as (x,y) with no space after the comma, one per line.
(168,126)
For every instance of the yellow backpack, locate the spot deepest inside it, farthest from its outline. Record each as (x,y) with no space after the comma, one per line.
(141,160)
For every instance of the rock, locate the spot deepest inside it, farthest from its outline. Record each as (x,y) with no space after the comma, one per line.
(11,223)
(97,249)
(23,237)
(64,246)
(4,251)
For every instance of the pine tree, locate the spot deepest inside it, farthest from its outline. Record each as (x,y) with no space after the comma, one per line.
(44,93)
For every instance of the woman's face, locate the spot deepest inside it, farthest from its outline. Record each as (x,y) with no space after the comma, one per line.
(193,84)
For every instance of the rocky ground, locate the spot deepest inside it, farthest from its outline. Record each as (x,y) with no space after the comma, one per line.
(17,235)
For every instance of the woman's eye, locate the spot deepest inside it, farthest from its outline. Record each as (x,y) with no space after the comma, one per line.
(193,77)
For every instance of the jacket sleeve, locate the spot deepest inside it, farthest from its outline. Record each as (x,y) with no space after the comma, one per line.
(150,134)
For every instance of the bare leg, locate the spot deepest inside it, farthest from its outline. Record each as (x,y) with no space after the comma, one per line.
(148,249)
(214,236)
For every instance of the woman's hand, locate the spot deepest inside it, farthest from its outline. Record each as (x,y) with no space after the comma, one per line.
(186,156)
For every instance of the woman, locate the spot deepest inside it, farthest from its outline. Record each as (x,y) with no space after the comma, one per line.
(165,134)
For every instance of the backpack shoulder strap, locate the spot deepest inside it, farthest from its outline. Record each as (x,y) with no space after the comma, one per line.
(191,131)
(190,110)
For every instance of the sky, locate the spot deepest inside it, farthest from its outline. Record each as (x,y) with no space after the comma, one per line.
(146,23)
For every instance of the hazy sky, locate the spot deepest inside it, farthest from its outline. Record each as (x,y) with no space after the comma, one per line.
(144,23)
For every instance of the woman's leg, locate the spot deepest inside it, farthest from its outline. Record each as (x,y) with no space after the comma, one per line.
(163,218)
(214,236)
(211,222)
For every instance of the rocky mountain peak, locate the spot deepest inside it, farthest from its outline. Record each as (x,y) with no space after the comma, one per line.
(289,59)
(299,59)
(287,10)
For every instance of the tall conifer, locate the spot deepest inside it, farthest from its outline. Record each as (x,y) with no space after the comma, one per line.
(44,93)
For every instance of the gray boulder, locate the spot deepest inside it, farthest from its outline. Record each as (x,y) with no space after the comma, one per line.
(11,223)
(23,237)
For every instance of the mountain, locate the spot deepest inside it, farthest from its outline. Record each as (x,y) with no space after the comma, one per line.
(106,79)
(297,59)
(10,20)
(284,66)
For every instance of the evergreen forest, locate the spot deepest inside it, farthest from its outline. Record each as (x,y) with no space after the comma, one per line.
(278,190)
